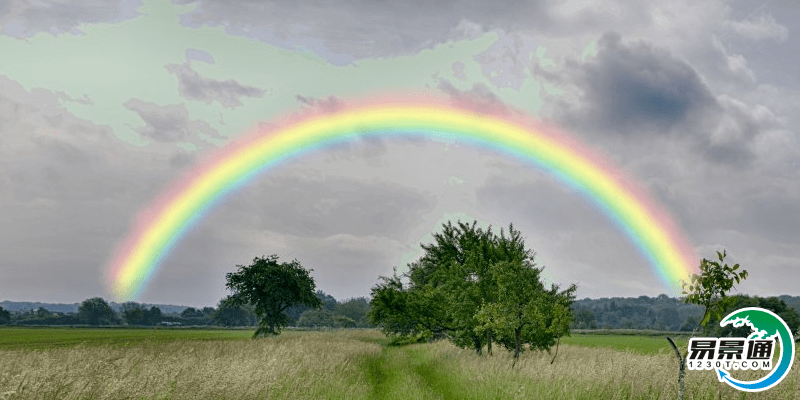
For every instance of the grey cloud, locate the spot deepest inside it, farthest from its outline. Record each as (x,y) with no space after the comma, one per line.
(169,123)
(23,18)
(330,104)
(67,188)
(320,207)
(480,98)
(631,89)
(181,159)
(228,93)
(547,203)
(348,30)
(199,55)
(762,27)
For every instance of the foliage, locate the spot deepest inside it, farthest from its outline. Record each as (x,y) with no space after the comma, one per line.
(138,314)
(658,313)
(774,304)
(584,318)
(233,313)
(5,316)
(355,309)
(315,318)
(271,287)
(710,288)
(96,311)
(475,288)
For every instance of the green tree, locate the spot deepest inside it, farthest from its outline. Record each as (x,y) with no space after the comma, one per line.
(710,290)
(271,287)
(135,316)
(584,319)
(774,304)
(5,316)
(316,318)
(526,313)
(328,302)
(408,310)
(233,313)
(153,316)
(475,288)
(355,309)
(96,311)
(340,321)
(191,312)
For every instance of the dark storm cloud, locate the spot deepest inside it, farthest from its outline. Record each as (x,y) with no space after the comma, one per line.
(23,18)
(169,123)
(228,93)
(636,88)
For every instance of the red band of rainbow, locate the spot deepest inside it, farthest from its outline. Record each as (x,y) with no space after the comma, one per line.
(159,227)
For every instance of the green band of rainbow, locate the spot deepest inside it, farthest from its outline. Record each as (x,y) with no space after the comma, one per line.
(166,221)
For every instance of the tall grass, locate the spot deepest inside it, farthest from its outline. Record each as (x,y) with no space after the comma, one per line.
(584,373)
(311,365)
(351,365)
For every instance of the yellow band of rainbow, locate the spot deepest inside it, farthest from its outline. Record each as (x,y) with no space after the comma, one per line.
(161,225)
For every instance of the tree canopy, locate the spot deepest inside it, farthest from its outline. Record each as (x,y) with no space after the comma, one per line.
(474,287)
(271,287)
(96,311)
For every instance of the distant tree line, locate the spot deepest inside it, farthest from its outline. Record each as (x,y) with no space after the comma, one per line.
(96,311)
(669,313)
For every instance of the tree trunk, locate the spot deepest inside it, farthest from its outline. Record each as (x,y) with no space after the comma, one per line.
(489,342)
(681,366)
(554,356)
(517,345)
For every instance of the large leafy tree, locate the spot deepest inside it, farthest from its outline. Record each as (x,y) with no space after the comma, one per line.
(475,288)
(524,311)
(96,311)
(446,286)
(272,287)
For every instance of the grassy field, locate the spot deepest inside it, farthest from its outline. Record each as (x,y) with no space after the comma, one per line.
(46,363)
(46,337)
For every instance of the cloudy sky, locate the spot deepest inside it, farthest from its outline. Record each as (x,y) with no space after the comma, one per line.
(104,103)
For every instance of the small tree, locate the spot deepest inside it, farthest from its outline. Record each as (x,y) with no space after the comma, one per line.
(710,290)
(271,287)
(316,318)
(96,311)
(5,316)
(526,313)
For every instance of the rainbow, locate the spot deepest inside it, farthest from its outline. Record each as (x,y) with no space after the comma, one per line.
(169,217)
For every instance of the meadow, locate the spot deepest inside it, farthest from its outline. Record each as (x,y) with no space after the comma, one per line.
(82,363)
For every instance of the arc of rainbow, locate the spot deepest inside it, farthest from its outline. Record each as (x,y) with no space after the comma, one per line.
(167,220)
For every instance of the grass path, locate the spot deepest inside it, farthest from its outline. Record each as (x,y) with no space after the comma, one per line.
(413,372)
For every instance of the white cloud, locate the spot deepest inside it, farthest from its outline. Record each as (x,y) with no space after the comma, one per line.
(763,27)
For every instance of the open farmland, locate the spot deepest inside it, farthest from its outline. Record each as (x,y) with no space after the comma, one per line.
(347,364)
